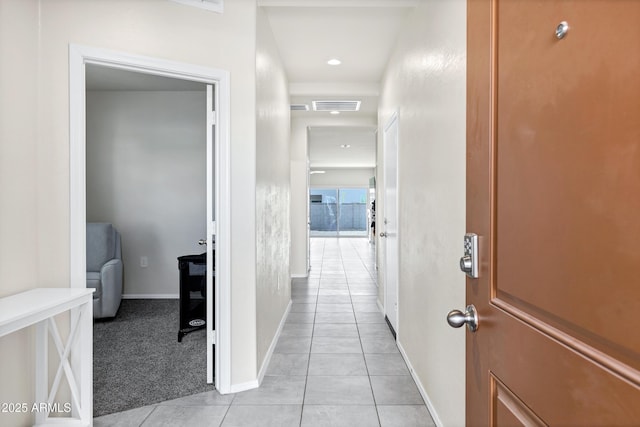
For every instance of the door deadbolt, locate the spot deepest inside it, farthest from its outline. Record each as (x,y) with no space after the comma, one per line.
(469,261)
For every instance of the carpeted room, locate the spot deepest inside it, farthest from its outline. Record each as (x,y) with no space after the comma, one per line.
(139,361)
(146,175)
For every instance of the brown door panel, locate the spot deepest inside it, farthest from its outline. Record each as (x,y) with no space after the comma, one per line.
(553,191)
(568,145)
(508,409)
(561,386)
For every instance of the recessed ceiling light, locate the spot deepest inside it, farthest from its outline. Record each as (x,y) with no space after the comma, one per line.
(345,146)
(315,172)
(334,112)
(334,61)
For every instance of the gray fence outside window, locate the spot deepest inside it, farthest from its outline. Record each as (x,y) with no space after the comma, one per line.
(324,217)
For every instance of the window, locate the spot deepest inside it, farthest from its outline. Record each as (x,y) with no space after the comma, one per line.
(338,211)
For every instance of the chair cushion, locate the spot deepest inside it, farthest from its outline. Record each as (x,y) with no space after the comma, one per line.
(100,245)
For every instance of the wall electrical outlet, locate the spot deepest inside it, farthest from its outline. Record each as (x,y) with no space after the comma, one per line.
(144,261)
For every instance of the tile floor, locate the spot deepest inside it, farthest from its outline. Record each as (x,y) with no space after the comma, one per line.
(335,364)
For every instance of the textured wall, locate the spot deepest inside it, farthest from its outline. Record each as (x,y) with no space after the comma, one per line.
(18,192)
(425,84)
(273,235)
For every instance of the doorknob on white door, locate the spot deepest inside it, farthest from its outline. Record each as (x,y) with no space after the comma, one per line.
(383,234)
(456,318)
(202,242)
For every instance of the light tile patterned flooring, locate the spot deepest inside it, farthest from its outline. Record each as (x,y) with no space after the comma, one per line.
(335,364)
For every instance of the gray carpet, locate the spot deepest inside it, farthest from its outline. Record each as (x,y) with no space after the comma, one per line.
(138,361)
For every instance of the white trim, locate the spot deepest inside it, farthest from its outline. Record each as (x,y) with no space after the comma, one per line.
(223,236)
(211,142)
(79,56)
(274,342)
(379,304)
(423,392)
(249,385)
(150,296)
(299,276)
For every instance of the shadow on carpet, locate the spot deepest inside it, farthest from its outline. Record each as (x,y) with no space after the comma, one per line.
(138,361)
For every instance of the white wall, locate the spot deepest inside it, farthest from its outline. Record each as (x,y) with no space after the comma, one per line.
(146,174)
(342,177)
(425,83)
(273,235)
(35,143)
(18,192)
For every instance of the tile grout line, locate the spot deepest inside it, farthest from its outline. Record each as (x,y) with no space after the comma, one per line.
(315,311)
(366,365)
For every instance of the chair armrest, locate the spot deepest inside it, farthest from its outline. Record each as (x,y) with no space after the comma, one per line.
(112,268)
(111,277)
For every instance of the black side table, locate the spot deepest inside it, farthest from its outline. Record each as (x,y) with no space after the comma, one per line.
(193,297)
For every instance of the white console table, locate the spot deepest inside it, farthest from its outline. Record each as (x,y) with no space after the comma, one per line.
(38,307)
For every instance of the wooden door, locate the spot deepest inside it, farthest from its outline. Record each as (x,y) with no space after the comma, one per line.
(553,191)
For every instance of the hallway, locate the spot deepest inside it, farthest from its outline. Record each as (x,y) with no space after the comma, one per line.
(336,362)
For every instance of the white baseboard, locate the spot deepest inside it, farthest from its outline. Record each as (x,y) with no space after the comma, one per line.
(299,276)
(150,296)
(380,306)
(274,342)
(423,393)
(249,385)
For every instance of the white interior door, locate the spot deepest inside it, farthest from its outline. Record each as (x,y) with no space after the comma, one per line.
(308,219)
(389,225)
(211,231)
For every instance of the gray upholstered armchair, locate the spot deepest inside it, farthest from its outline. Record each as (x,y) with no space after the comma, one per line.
(104,268)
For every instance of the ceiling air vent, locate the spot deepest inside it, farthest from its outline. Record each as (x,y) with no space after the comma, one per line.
(336,105)
(299,107)
(212,5)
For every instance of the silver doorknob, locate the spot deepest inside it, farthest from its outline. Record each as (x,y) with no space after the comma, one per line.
(456,318)
(202,242)
(383,234)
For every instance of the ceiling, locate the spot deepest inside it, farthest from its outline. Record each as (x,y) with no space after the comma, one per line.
(362,34)
(105,78)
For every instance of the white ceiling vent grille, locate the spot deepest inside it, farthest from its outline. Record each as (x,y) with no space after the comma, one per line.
(299,107)
(212,5)
(336,105)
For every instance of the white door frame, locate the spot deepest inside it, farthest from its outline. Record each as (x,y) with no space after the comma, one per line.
(381,224)
(78,57)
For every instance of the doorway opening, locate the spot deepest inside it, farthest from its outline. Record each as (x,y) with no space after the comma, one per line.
(146,180)
(338,212)
(217,223)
